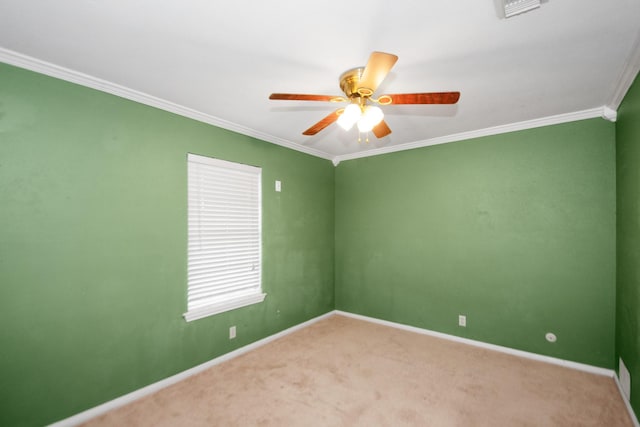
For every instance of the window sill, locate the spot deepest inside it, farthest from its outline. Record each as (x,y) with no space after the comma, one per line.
(223,306)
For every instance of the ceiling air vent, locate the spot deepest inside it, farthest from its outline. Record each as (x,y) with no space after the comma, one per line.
(515,7)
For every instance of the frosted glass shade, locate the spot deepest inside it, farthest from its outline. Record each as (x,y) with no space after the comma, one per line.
(371,117)
(349,117)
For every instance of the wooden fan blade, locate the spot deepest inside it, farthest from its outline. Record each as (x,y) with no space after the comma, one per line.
(302,97)
(323,123)
(424,98)
(381,130)
(376,70)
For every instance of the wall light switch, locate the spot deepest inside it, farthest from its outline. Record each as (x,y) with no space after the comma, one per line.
(278,186)
(232,332)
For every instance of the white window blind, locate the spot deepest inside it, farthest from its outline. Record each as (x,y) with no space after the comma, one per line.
(224,222)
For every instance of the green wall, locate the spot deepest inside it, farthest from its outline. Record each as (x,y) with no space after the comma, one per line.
(93,246)
(628,238)
(516,231)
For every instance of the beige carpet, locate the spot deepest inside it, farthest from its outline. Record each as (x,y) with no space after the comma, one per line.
(346,372)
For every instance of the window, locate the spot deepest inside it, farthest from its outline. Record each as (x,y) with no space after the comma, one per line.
(224,222)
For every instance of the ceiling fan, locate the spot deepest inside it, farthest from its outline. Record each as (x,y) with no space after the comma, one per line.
(359,85)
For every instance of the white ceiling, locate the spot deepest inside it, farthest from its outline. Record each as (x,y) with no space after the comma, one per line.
(219,61)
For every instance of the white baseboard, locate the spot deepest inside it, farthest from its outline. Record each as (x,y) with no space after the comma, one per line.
(632,414)
(520,353)
(152,388)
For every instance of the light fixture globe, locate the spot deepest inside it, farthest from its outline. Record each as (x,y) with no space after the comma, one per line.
(370,118)
(350,116)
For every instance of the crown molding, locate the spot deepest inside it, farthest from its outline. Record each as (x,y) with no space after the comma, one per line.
(23,61)
(608,112)
(629,72)
(496,130)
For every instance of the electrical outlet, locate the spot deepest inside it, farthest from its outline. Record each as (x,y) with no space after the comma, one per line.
(462,320)
(278,186)
(232,332)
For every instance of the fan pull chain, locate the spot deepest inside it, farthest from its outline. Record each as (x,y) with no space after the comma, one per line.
(366,137)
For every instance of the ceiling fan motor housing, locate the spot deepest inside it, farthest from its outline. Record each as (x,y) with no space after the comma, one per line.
(349,81)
